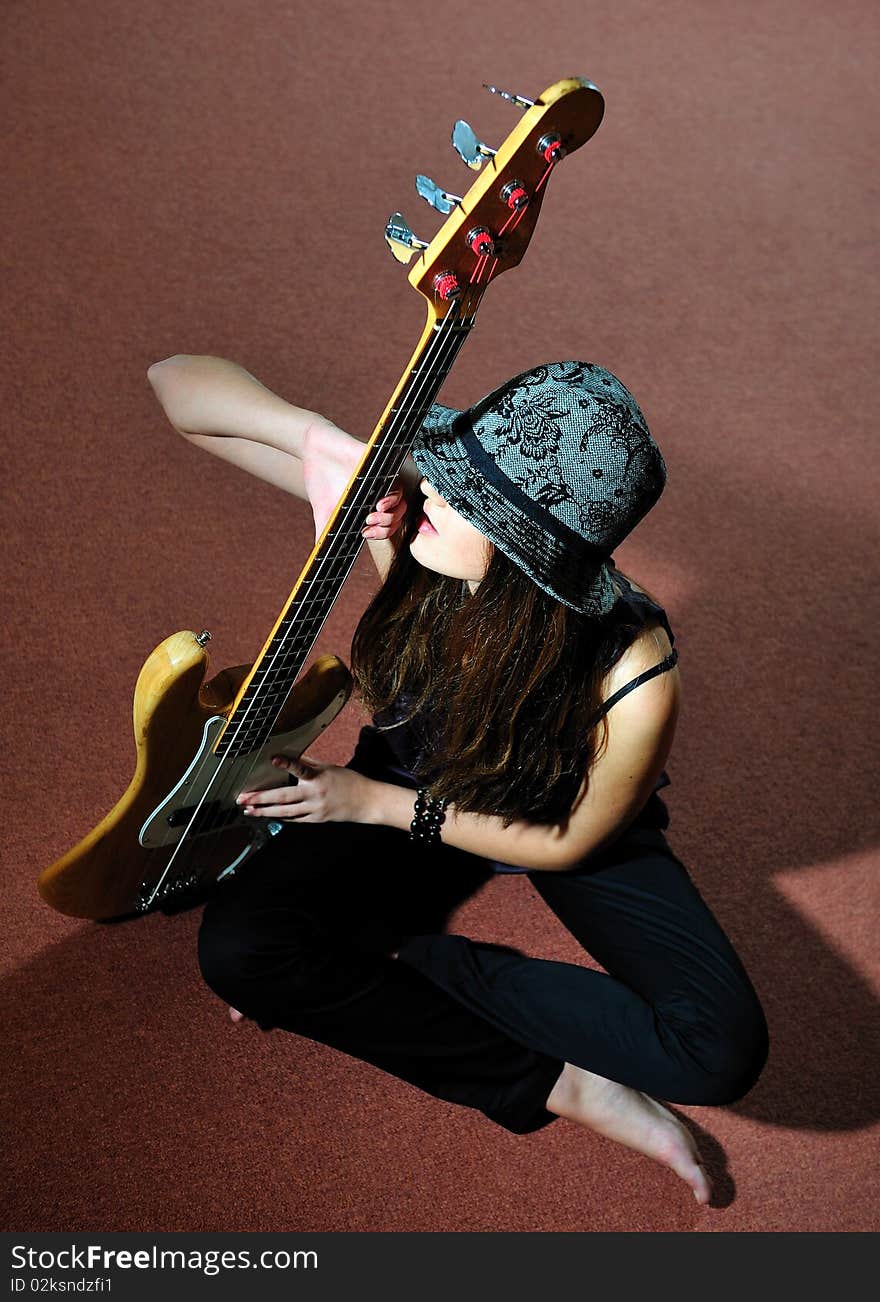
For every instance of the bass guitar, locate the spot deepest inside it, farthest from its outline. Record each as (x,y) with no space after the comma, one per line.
(177,828)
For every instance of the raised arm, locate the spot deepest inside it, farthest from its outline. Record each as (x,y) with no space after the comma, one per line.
(211,395)
(219,406)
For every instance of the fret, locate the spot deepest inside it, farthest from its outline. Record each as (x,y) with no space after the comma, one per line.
(270,683)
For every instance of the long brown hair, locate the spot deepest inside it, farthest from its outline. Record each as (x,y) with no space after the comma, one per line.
(509,677)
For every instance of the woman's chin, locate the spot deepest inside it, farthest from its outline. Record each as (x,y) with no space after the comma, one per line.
(427,562)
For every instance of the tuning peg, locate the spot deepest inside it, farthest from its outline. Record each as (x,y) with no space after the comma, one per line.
(400,239)
(468,147)
(436,197)
(519,100)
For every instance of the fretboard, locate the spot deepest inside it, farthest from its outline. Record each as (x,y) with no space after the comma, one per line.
(265,690)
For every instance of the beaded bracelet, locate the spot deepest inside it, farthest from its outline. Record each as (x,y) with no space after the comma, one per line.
(429,814)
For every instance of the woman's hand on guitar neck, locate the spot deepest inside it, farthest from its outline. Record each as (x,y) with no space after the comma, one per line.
(329,459)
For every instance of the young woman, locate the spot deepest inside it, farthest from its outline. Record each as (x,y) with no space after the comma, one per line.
(524,695)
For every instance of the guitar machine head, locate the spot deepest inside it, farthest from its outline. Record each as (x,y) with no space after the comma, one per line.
(488,229)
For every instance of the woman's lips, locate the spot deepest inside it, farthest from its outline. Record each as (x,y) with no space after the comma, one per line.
(425,525)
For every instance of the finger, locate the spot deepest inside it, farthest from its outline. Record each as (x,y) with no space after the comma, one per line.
(288,811)
(381,524)
(287,776)
(298,768)
(384,507)
(257,799)
(379,518)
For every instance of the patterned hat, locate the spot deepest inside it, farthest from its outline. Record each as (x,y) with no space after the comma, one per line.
(555,467)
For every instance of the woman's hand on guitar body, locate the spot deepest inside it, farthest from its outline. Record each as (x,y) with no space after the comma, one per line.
(323,793)
(329,458)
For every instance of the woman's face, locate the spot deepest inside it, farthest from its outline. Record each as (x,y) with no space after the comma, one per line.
(447,543)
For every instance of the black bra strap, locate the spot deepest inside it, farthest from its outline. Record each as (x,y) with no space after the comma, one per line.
(663,666)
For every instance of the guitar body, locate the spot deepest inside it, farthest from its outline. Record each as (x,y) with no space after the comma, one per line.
(177,828)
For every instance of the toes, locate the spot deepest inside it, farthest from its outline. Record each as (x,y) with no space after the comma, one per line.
(702,1191)
(679,1152)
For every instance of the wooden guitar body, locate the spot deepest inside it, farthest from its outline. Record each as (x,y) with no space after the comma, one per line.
(137,859)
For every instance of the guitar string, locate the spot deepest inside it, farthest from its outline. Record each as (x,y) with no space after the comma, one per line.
(512,221)
(479,268)
(387,457)
(287,646)
(445,342)
(452,316)
(426,375)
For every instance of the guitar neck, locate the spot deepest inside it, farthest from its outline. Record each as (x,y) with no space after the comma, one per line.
(486,232)
(267,686)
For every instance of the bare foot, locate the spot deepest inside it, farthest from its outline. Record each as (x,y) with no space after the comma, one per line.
(632,1118)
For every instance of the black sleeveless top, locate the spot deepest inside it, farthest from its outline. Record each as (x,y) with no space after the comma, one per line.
(391,755)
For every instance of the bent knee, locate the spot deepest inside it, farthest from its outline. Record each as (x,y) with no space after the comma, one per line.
(222,954)
(240,951)
(728,1055)
(275,961)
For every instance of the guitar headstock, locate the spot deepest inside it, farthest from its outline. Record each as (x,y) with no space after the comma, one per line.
(489,228)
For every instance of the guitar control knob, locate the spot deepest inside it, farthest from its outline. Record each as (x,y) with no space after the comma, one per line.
(203,638)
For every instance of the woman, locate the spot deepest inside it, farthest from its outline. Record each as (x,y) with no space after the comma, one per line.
(491,657)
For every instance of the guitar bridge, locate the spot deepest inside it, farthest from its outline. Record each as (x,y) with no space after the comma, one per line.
(173,896)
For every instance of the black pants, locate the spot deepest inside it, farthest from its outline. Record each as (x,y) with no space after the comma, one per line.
(300,940)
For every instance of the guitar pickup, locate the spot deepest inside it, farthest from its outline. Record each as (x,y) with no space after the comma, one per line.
(209,818)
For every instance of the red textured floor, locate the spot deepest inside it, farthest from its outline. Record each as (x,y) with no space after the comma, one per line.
(215,178)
